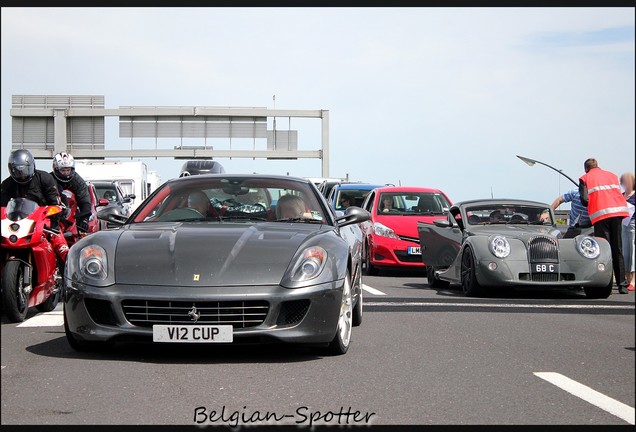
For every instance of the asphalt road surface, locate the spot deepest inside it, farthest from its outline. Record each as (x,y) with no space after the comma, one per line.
(421,356)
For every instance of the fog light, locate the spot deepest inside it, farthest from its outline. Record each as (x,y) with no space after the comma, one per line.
(601,267)
(492,266)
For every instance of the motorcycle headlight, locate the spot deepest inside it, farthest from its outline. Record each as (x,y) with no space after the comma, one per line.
(309,265)
(588,247)
(499,246)
(93,262)
(384,231)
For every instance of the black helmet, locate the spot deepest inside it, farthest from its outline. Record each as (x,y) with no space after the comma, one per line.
(21,166)
(63,160)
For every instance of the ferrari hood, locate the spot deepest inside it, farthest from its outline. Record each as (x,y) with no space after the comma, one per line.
(200,254)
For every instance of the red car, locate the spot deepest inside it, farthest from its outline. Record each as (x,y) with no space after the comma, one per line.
(390,236)
(95,224)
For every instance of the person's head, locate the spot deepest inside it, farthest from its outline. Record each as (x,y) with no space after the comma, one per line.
(21,166)
(345,201)
(589,164)
(628,183)
(290,207)
(496,216)
(63,166)
(109,195)
(199,201)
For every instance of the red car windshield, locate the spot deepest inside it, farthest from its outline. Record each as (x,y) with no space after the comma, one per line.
(412,203)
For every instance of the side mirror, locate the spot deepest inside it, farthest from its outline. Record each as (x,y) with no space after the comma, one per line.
(132,196)
(111,214)
(102,202)
(353,215)
(126,199)
(442,223)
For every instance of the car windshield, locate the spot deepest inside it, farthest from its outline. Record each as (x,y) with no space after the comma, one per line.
(107,192)
(350,197)
(412,203)
(238,199)
(493,214)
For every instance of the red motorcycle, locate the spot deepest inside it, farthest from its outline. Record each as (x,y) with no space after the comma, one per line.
(30,274)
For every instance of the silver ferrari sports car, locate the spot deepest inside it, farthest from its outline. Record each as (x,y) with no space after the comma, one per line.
(509,243)
(220,259)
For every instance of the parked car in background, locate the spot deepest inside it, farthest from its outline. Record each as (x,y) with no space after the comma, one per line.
(390,236)
(356,192)
(203,166)
(303,284)
(511,243)
(326,186)
(111,191)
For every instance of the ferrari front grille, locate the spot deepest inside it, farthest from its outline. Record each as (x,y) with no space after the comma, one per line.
(543,249)
(239,314)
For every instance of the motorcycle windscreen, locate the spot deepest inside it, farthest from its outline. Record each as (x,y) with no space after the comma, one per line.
(20,208)
(440,245)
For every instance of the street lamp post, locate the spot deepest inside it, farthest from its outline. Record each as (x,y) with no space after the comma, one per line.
(531,162)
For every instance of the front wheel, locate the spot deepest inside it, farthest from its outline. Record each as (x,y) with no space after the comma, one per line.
(369,269)
(340,343)
(15,301)
(470,285)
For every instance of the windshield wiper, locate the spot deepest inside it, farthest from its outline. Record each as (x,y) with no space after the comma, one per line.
(300,219)
(517,222)
(245,218)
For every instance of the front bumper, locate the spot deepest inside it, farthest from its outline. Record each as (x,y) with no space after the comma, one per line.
(388,252)
(518,273)
(316,326)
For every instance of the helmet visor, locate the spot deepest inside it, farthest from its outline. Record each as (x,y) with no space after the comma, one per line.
(20,172)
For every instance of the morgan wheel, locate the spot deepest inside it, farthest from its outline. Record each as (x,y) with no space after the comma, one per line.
(598,292)
(470,285)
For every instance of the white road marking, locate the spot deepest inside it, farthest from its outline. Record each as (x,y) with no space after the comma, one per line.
(372,290)
(48,319)
(498,305)
(606,403)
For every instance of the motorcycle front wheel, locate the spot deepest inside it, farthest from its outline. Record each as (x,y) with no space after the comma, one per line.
(15,302)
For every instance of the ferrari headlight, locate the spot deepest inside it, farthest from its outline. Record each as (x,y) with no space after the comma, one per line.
(588,247)
(309,264)
(499,246)
(384,231)
(93,262)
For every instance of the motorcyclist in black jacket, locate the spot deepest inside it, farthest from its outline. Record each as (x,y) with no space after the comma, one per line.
(25,181)
(66,178)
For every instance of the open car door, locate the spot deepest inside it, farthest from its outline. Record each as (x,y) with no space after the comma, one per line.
(440,242)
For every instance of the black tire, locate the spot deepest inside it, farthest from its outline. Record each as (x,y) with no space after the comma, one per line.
(470,285)
(76,344)
(369,269)
(51,302)
(342,340)
(15,303)
(598,292)
(434,281)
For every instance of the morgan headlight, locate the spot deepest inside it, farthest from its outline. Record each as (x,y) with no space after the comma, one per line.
(309,264)
(588,247)
(93,262)
(499,246)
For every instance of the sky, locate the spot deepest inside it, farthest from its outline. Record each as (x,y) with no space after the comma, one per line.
(433,97)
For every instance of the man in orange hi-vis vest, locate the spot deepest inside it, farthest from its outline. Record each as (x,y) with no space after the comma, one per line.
(601,191)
